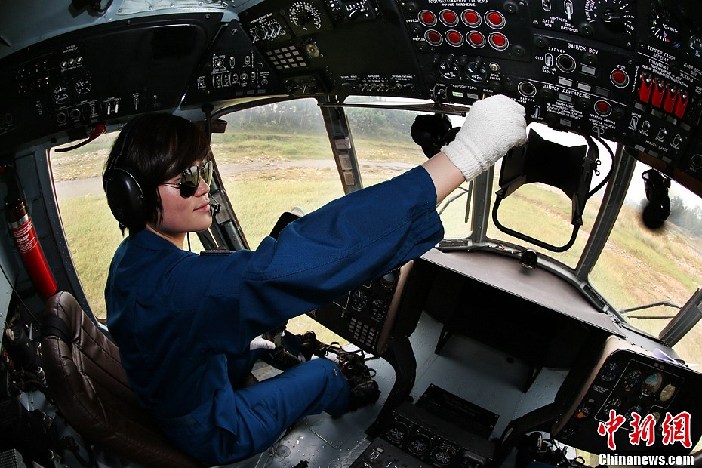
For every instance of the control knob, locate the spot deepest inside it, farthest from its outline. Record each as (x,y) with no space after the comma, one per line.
(475,70)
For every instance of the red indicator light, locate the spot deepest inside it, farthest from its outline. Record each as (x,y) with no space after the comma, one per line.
(495,19)
(476,39)
(603,107)
(498,41)
(619,78)
(433,37)
(454,38)
(427,17)
(471,18)
(449,17)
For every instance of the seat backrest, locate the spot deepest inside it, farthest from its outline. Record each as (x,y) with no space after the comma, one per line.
(89,386)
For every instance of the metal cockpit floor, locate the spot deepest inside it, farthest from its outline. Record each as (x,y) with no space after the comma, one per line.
(479,374)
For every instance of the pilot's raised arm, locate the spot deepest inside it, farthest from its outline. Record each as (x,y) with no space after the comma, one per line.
(184,322)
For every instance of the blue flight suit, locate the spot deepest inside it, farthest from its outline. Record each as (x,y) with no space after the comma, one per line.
(183,322)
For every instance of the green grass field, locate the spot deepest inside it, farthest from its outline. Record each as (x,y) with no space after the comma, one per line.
(637,267)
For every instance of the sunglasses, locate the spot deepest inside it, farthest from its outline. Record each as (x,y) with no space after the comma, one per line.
(190,179)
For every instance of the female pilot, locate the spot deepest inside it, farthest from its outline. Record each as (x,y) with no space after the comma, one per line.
(184,322)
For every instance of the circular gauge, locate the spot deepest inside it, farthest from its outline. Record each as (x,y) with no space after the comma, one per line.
(358,301)
(60,94)
(667,393)
(583,412)
(695,46)
(616,15)
(631,379)
(396,433)
(610,371)
(418,445)
(305,16)
(651,384)
(664,27)
(638,409)
(442,455)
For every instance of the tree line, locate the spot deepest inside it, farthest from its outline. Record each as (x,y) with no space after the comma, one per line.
(685,216)
(304,116)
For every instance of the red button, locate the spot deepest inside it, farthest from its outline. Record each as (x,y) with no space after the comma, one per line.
(645,88)
(432,37)
(476,38)
(603,107)
(427,17)
(669,101)
(449,17)
(471,17)
(619,78)
(681,105)
(454,38)
(495,19)
(658,92)
(498,41)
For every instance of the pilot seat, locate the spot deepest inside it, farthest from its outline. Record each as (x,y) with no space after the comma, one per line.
(89,386)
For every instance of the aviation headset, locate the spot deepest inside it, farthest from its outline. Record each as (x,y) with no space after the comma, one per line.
(124,195)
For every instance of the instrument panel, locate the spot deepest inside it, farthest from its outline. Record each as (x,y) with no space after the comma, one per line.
(633,394)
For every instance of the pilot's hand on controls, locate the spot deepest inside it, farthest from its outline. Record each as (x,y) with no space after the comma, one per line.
(493,126)
(261,343)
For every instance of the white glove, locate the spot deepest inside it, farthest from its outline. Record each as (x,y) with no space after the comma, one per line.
(493,126)
(261,343)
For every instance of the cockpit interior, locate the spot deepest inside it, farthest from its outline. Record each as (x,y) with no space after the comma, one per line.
(557,324)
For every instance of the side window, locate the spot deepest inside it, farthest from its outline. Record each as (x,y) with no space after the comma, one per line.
(648,274)
(91,232)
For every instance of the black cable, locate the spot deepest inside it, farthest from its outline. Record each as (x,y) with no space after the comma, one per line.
(95,132)
(611,167)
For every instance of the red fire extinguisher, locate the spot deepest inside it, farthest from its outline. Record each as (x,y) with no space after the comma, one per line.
(22,229)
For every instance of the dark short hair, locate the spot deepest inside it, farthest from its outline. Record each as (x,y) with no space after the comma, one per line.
(154,148)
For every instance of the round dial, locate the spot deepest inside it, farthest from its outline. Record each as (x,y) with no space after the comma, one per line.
(631,379)
(396,433)
(664,27)
(638,409)
(695,46)
(615,15)
(418,446)
(610,371)
(304,15)
(667,393)
(442,455)
(651,384)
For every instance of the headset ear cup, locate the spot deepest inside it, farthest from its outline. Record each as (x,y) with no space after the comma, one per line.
(125,198)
